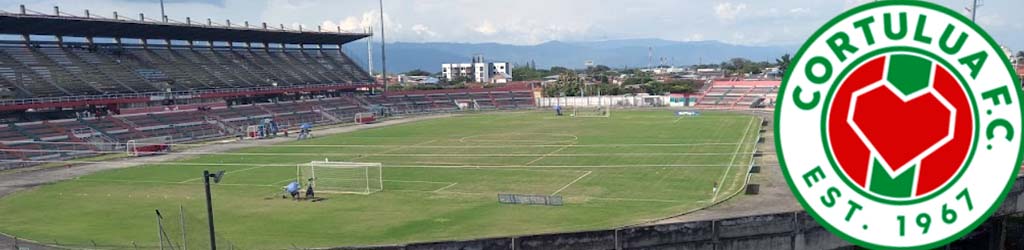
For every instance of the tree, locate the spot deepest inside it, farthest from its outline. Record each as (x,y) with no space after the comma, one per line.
(526,73)
(559,70)
(783,63)
(674,86)
(417,72)
(598,69)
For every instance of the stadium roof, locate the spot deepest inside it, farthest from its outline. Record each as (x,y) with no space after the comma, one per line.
(94,26)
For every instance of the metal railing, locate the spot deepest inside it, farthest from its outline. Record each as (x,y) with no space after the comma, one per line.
(186,93)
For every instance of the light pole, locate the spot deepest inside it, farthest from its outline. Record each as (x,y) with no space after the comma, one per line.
(163,16)
(383,56)
(209,203)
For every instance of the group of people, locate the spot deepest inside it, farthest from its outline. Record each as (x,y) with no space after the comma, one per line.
(294,187)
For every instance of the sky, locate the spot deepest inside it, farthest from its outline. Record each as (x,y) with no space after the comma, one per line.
(528,22)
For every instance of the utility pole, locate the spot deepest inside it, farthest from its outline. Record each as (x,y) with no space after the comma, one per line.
(974,9)
(369,56)
(209,203)
(163,15)
(369,50)
(383,55)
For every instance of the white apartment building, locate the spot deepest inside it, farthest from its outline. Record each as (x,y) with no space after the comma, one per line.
(478,71)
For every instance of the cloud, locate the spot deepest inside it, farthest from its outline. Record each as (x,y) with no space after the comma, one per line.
(423,30)
(779,22)
(848,4)
(218,3)
(486,28)
(728,11)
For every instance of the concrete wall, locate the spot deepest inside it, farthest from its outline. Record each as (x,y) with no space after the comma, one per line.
(601,101)
(793,230)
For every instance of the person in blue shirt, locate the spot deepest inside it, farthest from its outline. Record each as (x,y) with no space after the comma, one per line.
(292,189)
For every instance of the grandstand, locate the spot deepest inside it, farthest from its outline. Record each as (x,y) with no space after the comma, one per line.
(70,85)
(729,94)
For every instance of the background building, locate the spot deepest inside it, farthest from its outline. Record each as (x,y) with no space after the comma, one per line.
(478,71)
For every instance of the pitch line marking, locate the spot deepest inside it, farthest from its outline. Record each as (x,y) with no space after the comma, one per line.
(169,182)
(228,172)
(549,154)
(421,165)
(677,119)
(400,154)
(394,149)
(283,181)
(721,184)
(573,182)
(445,187)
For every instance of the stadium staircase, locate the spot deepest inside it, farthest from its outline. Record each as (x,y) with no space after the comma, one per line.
(23,132)
(95,128)
(219,122)
(125,124)
(744,96)
(737,94)
(29,78)
(493,101)
(70,136)
(325,113)
(170,125)
(11,153)
(87,71)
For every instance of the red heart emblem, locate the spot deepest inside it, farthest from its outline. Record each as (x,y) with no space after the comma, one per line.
(898,130)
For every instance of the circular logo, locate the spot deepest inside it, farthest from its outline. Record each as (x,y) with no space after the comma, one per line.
(898,125)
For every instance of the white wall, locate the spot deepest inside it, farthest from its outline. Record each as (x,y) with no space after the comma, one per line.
(615,101)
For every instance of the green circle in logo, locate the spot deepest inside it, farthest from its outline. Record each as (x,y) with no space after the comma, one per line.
(920,118)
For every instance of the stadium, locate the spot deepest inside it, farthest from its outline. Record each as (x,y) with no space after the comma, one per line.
(115,126)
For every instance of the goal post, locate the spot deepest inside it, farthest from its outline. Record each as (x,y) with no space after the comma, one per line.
(365,117)
(602,111)
(341,177)
(148,146)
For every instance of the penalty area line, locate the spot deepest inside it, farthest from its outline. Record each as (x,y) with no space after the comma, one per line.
(721,184)
(549,154)
(573,182)
(445,187)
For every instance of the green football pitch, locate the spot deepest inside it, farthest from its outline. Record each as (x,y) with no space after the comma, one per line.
(441,178)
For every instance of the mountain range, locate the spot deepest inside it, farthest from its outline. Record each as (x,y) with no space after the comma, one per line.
(631,53)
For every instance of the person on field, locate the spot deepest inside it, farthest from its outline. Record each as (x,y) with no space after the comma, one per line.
(292,189)
(309,190)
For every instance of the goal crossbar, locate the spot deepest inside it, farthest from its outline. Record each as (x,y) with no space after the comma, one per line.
(341,177)
(592,112)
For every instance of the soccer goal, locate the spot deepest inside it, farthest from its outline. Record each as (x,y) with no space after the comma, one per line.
(365,117)
(598,111)
(147,146)
(341,177)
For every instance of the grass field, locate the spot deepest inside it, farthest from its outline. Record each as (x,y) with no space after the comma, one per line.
(441,177)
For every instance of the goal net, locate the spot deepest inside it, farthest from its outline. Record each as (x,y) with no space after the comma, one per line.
(598,111)
(147,146)
(341,177)
(365,117)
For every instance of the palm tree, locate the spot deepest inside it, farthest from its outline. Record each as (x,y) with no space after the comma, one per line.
(783,63)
